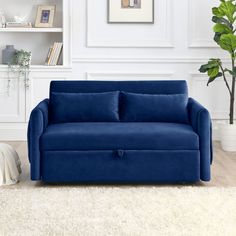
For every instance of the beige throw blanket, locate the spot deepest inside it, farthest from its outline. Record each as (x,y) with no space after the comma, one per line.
(10,165)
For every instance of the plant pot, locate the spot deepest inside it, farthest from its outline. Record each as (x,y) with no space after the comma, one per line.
(228,137)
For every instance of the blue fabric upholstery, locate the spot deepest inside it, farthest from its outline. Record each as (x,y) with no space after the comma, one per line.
(201,123)
(154,108)
(84,107)
(119,135)
(106,166)
(37,124)
(146,87)
(120,152)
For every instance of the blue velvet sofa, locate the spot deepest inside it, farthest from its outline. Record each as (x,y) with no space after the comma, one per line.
(119,132)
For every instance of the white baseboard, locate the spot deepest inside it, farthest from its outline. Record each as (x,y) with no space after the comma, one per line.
(13,131)
(216,128)
(215,134)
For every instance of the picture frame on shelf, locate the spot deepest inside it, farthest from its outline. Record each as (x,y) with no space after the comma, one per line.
(130,11)
(45,16)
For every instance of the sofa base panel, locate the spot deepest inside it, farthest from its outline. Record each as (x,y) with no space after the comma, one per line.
(120,167)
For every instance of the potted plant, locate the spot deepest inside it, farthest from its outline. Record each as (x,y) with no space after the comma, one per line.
(20,65)
(224,18)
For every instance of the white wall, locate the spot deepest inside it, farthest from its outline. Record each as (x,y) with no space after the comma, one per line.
(172,48)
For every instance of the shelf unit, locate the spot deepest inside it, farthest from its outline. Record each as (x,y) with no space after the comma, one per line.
(32,30)
(18,100)
(37,40)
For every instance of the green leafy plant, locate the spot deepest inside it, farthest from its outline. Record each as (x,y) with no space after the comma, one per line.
(20,65)
(224,18)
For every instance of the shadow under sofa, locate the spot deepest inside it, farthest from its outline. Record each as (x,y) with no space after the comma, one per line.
(119,132)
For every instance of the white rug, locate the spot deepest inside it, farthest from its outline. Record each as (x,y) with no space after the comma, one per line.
(114,211)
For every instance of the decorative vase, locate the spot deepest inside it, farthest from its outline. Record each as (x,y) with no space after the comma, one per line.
(228,137)
(7,54)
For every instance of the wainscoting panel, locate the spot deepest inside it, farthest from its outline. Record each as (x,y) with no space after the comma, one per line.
(200,22)
(128,76)
(12,99)
(214,97)
(128,35)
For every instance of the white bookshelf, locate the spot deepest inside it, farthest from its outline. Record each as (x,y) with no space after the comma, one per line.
(16,99)
(37,40)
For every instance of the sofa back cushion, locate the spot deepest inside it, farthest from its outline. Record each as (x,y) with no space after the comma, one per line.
(145,87)
(153,108)
(84,107)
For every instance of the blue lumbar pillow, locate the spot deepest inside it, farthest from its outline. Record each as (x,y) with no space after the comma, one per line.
(154,108)
(84,107)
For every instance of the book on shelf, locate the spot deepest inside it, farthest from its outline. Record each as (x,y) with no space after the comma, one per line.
(18,25)
(54,54)
(48,55)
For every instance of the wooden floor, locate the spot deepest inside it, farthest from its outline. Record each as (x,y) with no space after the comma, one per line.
(223,168)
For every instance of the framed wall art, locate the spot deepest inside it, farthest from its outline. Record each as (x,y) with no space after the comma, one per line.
(131,11)
(45,16)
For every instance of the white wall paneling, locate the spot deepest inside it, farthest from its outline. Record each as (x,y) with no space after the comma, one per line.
(67,32)
(173,47)
(12,100)
(128,76)
(200,25)
(39,85)
(206,95)
(13,131)
(214,97)
(128,35)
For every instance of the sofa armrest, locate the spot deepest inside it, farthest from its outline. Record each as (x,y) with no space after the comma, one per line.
(37,124)
(201,122)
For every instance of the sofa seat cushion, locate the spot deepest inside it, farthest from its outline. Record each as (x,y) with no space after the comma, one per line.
(119,136)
